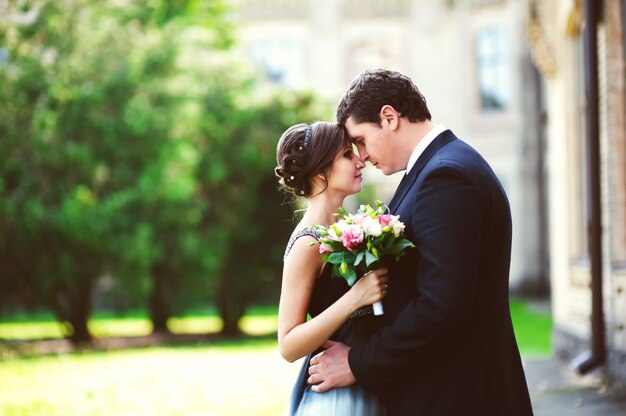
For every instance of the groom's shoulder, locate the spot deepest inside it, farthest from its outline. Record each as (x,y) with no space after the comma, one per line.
(456,150)
(459,156)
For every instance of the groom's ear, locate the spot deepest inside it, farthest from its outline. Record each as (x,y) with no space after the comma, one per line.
(390,117)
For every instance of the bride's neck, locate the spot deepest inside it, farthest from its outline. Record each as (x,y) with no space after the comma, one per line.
(321,208)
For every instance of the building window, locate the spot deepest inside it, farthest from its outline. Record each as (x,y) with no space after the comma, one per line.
(281,60)
(494,79)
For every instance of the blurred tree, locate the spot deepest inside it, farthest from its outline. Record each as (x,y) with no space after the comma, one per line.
(244,222)
(136,148)
(85,113)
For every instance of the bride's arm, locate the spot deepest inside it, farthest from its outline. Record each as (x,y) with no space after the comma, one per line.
(298,337)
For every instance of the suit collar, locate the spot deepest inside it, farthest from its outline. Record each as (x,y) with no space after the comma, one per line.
(444,138)
(424,143)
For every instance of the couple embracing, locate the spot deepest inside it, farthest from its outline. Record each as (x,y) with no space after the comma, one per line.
(445,344)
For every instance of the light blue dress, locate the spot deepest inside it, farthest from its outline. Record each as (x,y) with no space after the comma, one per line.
(344,401)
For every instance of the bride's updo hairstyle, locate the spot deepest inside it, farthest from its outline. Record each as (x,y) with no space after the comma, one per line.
(304,150)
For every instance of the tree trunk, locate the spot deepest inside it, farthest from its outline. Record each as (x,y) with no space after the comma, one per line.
(79,320)
(74,308)
(231,309)
(160,310)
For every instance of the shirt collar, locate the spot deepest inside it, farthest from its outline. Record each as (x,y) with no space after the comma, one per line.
(423,144)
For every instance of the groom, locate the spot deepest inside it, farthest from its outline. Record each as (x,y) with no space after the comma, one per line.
(447,347)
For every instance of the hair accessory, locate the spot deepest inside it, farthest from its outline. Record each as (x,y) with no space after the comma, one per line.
(301,192)
(292,178)
(307,135)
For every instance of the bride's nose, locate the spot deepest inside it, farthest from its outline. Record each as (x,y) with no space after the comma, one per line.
(359,164)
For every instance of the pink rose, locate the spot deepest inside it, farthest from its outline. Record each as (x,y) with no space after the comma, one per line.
(352,237)
(325,248)
(385,220)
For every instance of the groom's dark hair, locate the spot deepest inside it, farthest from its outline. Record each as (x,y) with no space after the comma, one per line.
(375,88)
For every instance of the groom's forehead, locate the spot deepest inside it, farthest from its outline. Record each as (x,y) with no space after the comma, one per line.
(352,128)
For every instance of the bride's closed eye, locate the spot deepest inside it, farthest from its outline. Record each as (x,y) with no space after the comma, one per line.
(348,153)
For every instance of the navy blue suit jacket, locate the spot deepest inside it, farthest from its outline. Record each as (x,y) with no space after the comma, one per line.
(448,346)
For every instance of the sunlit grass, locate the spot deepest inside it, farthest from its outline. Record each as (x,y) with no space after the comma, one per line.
(30,330)
(235,378)
(532,328)
(258,321)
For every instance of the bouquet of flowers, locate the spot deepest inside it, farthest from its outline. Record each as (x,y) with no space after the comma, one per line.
(361,240)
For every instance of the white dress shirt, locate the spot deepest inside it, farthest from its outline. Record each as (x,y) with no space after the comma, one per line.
(423,144)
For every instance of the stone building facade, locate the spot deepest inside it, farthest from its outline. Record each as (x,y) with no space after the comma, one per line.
(556,33)
(469,58)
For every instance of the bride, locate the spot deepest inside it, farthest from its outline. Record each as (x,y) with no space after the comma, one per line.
(316,161)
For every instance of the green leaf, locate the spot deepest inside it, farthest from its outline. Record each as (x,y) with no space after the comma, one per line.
(400,245)
(370,258)
(334,245)
(335,258)
(390,239)
(351,276)
(350,257)
(359,258)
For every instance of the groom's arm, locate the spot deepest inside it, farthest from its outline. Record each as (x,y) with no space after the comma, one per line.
(446,220)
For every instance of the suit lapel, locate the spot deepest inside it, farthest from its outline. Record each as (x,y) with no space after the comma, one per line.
(444,138)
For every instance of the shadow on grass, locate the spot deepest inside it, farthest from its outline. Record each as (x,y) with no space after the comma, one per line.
(37,348)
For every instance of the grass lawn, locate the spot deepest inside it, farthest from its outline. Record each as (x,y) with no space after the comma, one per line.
(223,378)
(259,320)
(533,329)
(247,378)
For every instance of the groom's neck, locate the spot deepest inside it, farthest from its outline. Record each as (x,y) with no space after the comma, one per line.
(412,133)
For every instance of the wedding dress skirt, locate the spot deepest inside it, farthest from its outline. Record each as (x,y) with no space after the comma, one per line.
(344,401)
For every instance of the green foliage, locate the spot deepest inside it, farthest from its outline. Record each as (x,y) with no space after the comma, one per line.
(533,328)
(137,162)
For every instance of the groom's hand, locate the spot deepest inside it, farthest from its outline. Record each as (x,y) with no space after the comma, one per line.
(330,368)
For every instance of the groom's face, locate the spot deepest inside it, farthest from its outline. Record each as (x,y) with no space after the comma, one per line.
(372,142)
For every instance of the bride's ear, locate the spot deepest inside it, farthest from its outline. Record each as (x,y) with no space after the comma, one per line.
(319,182)
(389,117)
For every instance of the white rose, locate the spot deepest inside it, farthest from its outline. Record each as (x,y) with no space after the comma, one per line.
(372,226)
(397,226)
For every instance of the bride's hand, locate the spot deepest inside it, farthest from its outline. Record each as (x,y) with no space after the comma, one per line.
(370,288)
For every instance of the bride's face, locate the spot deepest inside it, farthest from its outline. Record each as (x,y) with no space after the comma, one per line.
(344,176)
